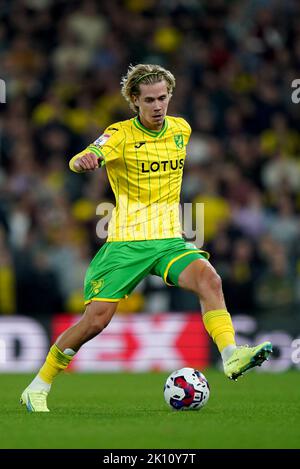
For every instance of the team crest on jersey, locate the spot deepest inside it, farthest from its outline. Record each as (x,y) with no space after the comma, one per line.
(179,140)
(97,285)
(101,140)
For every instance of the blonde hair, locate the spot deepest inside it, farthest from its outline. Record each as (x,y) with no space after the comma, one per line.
(147,74)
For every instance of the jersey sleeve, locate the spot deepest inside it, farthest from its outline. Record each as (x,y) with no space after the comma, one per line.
(107,147)
(186,129)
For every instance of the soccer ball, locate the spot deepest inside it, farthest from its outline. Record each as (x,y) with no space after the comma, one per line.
(186,389)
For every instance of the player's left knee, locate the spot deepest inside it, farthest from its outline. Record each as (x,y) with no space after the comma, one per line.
(216,283)
(208,282)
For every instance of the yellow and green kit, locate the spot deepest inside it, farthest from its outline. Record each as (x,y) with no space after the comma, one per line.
(145,169)
(119,266)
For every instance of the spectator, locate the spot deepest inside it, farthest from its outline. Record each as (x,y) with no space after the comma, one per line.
(62,62)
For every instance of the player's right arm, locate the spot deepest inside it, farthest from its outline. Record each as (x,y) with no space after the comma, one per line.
(106,148)
(84,161)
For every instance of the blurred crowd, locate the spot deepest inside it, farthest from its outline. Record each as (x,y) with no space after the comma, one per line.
(234,62)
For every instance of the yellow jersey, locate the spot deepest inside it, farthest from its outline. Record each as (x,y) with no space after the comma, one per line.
(145,169)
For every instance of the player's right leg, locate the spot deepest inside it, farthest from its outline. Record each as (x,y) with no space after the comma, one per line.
(96,317)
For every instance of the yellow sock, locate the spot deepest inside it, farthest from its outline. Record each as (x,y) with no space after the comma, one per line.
(56,361)
(219,326)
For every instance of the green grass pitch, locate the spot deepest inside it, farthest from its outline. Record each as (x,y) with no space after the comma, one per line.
(126,410)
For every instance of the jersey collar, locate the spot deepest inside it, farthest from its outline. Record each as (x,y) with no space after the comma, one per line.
(151,133)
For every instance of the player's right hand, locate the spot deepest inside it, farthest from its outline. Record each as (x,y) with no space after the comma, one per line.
(87,162)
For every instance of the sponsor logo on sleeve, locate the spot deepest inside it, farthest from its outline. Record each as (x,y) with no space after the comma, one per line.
(102,140)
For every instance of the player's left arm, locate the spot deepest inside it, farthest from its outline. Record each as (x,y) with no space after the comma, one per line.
(186,129)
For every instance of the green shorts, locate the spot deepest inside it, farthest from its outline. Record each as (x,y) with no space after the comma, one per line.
(119,266)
